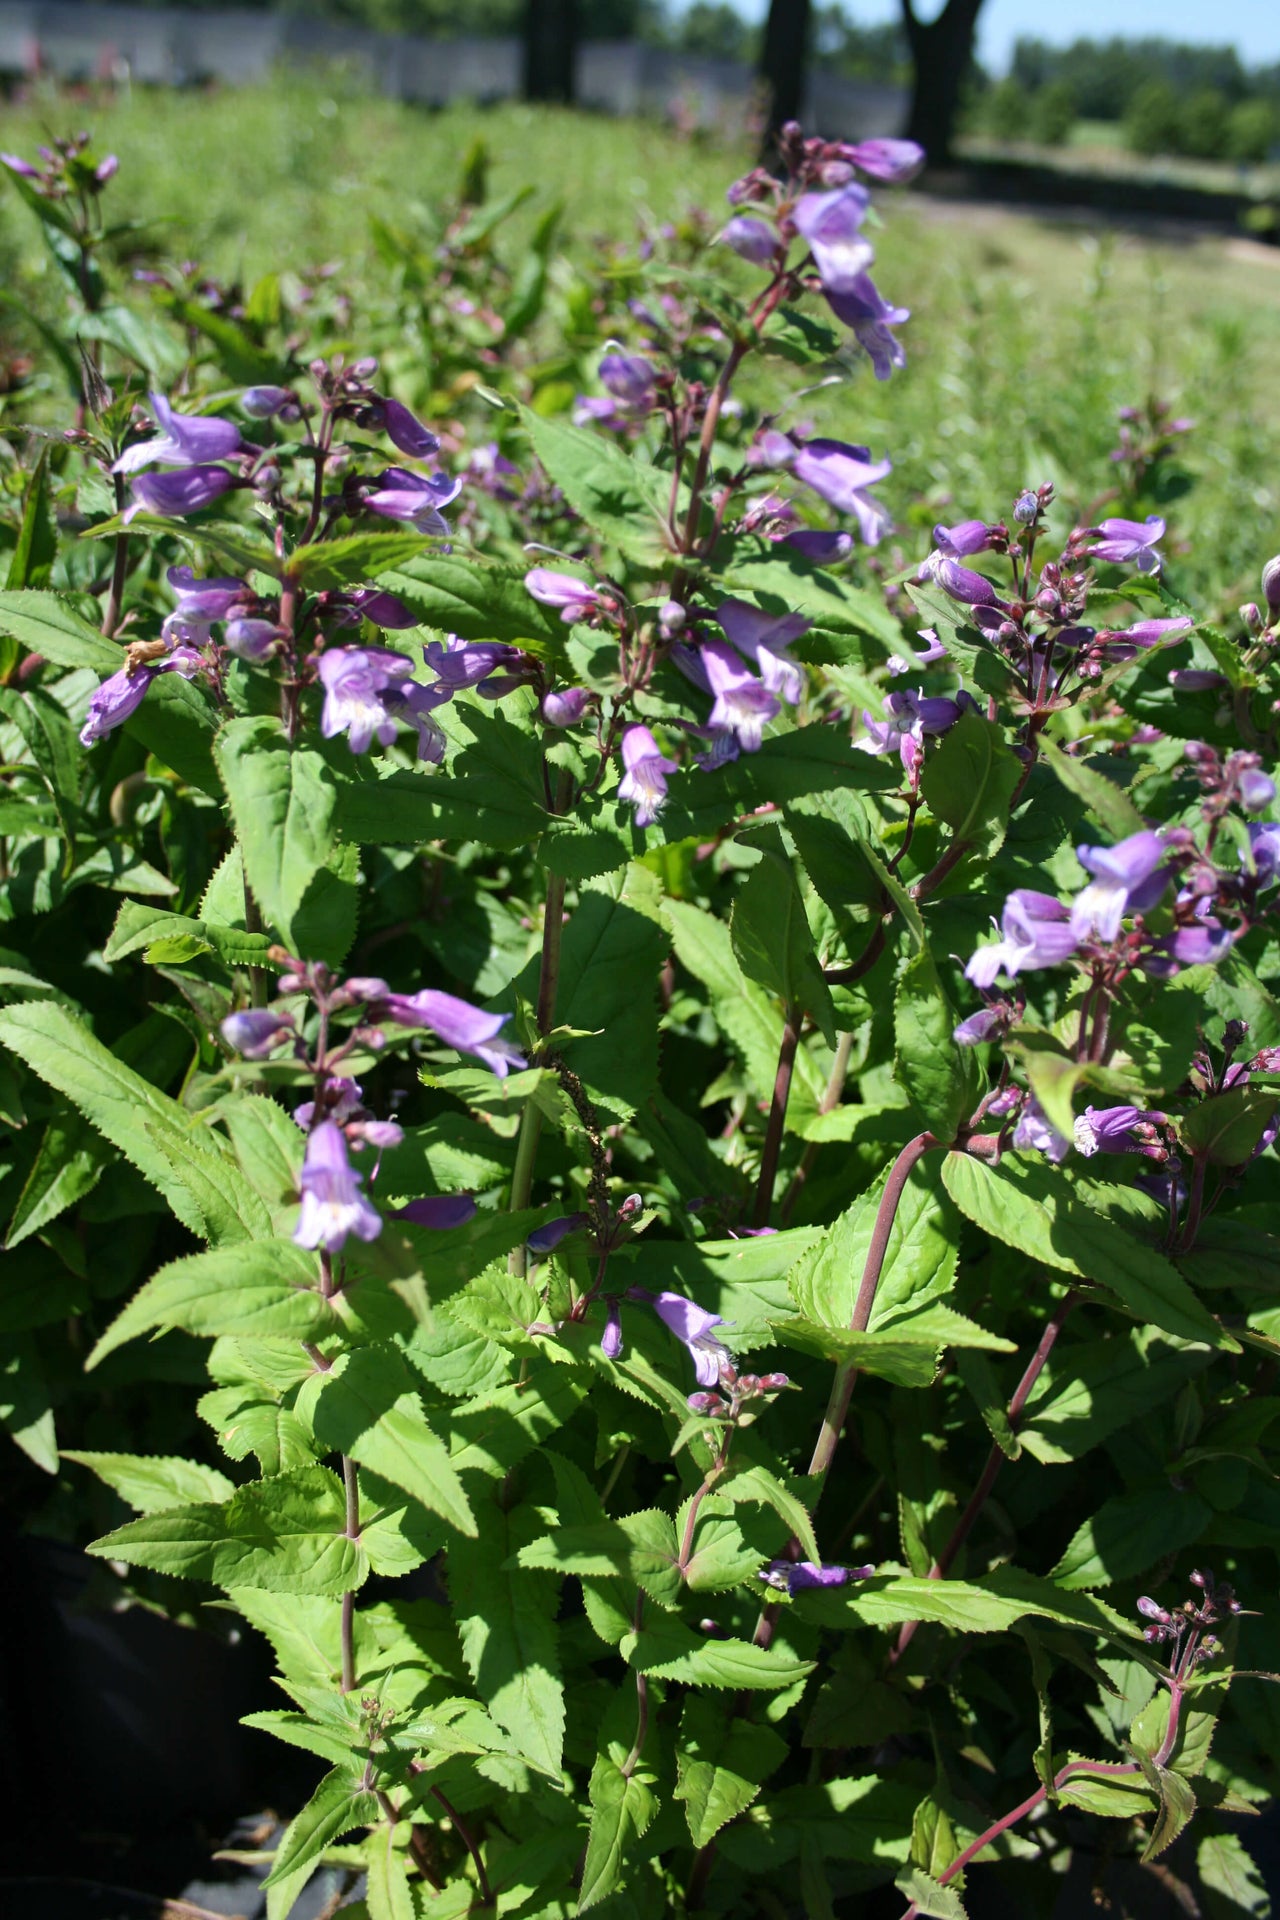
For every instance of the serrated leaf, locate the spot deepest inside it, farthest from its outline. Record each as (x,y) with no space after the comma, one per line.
(670,1650)
(936,1073)
(283,801)
(969,782)
(508,1632)
(268,1287)
(151,1482)
(1129,1533)
(365,1406)
(721,1765)
(622,1806)
(334,1808)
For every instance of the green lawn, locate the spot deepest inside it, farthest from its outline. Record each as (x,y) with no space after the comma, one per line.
(1026,334)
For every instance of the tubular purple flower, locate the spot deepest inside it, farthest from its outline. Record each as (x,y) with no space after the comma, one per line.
(184,440)
(979,1026)
(257,1032)
(546,1238)
(1127,878)
(893,161)
(565,706)
(1198,680)
(966,537)
(1120,1130)
(763,638)
(963,584)
(367,689)
(1129,543)
(332,1205)
(266,403)
(629,377)
(174,495)
(438,1211)
(1128,644)
(841,474)
(465,663)
(644,780)
(801,1576)
(1036,932)
(415,498)
(107,169)
(406,432)
(460,1025)
(204,599)
(831,224)
(382,609)
(1202,944)
(1271,584)
(611,1338)
(693,1327)
(20,166)
(817,545)
(1034,1133)
(743,705)
(343,1099)
(1264,845)
(863,307)
(250,639)
(1256,789)
(752,238)
(575,599)
(114,701)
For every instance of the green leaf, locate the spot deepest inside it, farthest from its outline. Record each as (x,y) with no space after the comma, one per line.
(668,1649)
(36,547)
(1231,1879)
(1089,1390)
(1113,810)
(356,557)
(783,581)
(1034,1211)
(771,935)
(199,1180)
(68,1165)
(1111,1798)
(919,1889)
(26,1408)
(969,782)
(990,1605)
(622,1806)
(283,802)
(140,924)
(936,1073)
(919,1264)
(756,1484)
(789,766)
(287,1535)
(366,1407)
(266,1287)
(1226,1127)
(721,1765)
(1129,1533)
(506,1624)
(387,1887)
(617,498)
(334,1808)
(151,1482)
(244,363)
(52,744)
(473,598)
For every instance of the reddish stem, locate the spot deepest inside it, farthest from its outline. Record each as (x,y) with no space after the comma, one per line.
(793,1020)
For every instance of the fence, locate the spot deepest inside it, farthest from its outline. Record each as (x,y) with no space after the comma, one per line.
(166,47)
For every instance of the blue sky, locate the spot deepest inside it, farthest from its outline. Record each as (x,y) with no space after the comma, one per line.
(1252,25)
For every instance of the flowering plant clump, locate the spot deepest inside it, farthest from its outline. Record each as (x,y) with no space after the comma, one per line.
(722,1349)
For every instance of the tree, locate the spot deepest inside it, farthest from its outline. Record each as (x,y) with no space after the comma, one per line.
(942,51)
(550,50)
(783,58)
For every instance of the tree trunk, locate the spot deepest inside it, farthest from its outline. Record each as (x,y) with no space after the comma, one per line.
(550,50)
(942,51)
(783,59)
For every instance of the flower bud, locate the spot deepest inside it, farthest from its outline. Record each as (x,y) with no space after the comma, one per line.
(262,403)
(250,639)
(1271,584)
(1026,507)
(774,1382)
(705,1403)
(1251,615)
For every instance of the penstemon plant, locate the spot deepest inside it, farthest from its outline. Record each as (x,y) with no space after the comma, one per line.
(724,1370)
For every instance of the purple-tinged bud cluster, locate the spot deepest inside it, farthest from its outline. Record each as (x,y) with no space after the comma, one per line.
(910,718)
(189,443)
(257,1032)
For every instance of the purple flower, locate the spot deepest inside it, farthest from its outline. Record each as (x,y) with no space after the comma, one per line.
(841,474)
(980,1026)
(831,223)
(611,1338)
(1035,1134)
(565,706)
(1256,789)
(1198,680)
(1119,1130)
(16,165)
(1145,633)
(1128,878)
(438,1211)
(204,599)
(644,781)
(257,1032)
(184,440)
(460,1025)
(575,599)
(629,377)
(763,639)
(405,432)
(754,239)
(910,716)
(815,544)
(743,704)
(114,701)
(863,307)
(251,639)
(332,1204)
(692,1325)
(545,1238)
(174,495)
(961,583)
(1264,845)
(1036,933)
(366,690)
(1204,943)
(371,603)
(1129,543)
(966,537)
(465,663)
(890,160)
(265,403)
(415,498)
(800,1576)
(342,1102)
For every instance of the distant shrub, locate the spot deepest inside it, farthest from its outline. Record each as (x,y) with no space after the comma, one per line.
(1153,119)
(1053,113)
(1203,128)
(1006,110)
(1251,131)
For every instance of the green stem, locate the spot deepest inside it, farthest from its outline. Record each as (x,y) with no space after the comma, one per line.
(793,1019)
(119,567)
(545,1017)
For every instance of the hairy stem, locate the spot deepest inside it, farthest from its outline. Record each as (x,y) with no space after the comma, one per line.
(793,1020)
(417,1842)
(632,1760)
(119,567)
(459,1827)
(829,1102)
(259,978)
(995,1461)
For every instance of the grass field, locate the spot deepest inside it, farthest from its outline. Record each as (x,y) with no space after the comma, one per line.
(1026,336)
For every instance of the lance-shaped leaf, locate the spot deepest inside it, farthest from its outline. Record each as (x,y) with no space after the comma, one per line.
(969,783)
(937,1074)
(36,547)
(467,595)
(1129,1533)
(721,1765)
(670,1650)
(151,1482)
(622,1806)
(337,1805)
(772,938)
(283,801)
(365,1406)
(1110,806)
(506,1622)
(617,498)
(268,1287)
